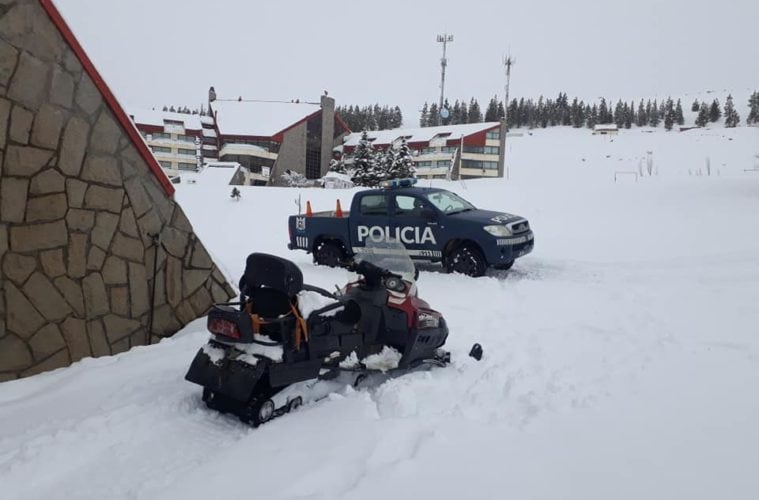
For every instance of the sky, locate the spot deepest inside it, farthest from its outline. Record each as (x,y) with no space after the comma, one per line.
(171,51)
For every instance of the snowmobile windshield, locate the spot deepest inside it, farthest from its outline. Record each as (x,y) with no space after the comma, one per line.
(449,203)
(390,255)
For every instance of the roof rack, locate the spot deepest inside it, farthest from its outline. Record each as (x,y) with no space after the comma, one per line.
(398,183)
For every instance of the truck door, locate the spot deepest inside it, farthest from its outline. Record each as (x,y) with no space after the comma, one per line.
(415,222)
(371,221)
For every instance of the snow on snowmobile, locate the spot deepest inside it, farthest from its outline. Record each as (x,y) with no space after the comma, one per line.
(284,332)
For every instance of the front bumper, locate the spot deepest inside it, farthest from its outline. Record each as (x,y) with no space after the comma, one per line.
(505,250)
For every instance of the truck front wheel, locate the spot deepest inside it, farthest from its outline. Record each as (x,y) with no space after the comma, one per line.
(329,253)
(466,260)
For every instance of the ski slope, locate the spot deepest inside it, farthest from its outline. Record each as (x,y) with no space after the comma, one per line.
(621,356)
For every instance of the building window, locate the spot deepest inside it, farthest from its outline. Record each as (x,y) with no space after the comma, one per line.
(492,150)
(160,149)
(165,164)
(494,134)
(161,135)
(443,163)
(474,149)
(186,152)
(188,166)
(424,164)
(185,138)
(314,148)
(482,165)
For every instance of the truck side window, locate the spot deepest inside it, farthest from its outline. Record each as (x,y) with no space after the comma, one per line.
(374,204)
(408,206)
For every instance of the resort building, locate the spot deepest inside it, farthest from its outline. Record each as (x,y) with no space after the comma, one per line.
(465,151)
(269,138)
(179,141)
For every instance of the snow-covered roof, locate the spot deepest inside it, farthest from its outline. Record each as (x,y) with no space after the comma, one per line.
(420,134)
(214,174)
(156,118)
(263,119)
(232,148)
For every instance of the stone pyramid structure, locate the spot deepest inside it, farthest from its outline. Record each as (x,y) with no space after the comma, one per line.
(95,255)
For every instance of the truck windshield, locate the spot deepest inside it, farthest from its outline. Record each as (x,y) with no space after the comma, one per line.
(449,203)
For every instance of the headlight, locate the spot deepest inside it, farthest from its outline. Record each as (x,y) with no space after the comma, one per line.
(427,320)
(498,230)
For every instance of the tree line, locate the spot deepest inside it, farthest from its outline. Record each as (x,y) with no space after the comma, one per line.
(373,117)
(577,113)
(371,166)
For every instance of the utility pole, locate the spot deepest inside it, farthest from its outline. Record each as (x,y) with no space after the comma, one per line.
(444,39)
(507,62)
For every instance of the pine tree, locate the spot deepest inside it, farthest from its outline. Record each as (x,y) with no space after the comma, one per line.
(679,119)
(433,116)
(753,109)
(464,112)
(513,112)
(619,114)
(337,166)
(474,115)
(703,115)
(629,114)
(714,111)
(364,163)
(642,117)
(653,116)
(456,113)
(731,115)
(402,164)
(593,117)
(491,114)
(603,112)
(575,112)
(695,106)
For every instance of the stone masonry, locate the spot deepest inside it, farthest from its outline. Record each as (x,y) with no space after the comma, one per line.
(78,208)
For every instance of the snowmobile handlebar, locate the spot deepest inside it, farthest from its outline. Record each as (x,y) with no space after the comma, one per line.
(372,274)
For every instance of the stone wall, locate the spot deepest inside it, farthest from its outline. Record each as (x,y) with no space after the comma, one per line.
(78,208)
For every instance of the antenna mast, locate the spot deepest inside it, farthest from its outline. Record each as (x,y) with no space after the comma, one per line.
(508,61)
(444,39)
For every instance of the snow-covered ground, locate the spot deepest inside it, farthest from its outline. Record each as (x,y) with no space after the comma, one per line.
(621,356)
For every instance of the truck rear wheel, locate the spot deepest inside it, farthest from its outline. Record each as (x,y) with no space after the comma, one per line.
(329,253)
(466,260)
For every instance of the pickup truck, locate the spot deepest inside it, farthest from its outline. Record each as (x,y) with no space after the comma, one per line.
(433,224)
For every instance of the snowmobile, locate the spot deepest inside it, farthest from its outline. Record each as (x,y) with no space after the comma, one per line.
(283,332)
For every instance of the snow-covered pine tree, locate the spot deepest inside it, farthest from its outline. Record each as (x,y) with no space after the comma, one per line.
(695,106)
(629,114)
(364,167)
(731,115)
(593,116)
(575,113)
(402,165)
(669,114)
(337,166)
(384,163)
(715,113)
(703,115)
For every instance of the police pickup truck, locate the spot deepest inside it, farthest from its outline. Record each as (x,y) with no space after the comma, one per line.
(433,224)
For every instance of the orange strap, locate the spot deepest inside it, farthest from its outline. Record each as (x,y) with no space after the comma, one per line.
(301,327)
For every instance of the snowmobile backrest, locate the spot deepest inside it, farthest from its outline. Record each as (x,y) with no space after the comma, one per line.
(269,303)
(269,271)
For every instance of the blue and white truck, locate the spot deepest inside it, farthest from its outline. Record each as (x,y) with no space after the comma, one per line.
(433,224)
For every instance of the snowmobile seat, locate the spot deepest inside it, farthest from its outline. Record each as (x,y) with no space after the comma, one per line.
(269,271)
(271,285)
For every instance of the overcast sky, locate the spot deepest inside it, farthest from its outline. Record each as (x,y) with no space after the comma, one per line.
(155,52)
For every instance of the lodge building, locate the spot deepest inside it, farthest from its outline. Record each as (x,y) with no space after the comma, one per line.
(463,151)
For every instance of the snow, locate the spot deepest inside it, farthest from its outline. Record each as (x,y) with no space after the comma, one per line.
(424,134)
(621,357)
(156,118)
(262,119)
